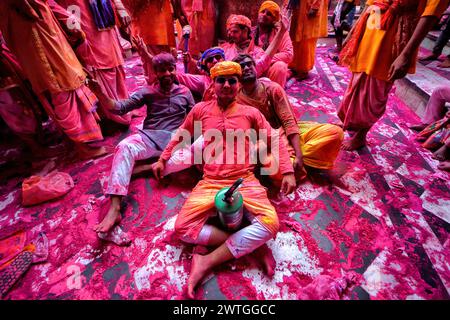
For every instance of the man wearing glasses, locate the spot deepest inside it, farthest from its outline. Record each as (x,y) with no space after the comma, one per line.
(313,144)
(224,115)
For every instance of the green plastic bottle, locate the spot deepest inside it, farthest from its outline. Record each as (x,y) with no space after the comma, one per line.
(230,204)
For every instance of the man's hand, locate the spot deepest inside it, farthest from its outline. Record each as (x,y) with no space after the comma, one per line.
(399,68)
(298,166)
(284,23)
(93,85)
(187,58)
(288,183)
(141,48)
(158,169)
(312,13)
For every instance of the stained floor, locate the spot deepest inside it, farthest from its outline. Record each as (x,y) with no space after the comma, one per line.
(381,215)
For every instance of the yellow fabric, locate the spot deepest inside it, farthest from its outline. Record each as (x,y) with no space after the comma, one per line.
(320,143)
(304,27)
(226,68)
(42,49)
(272,7)
(238,19)
(304,55)
(435,8)
(194,213)
(375,56)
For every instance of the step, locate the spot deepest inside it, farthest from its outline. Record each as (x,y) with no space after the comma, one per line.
(430,39)
(415,89)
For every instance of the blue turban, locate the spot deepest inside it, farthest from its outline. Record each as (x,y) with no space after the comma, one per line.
(211,52)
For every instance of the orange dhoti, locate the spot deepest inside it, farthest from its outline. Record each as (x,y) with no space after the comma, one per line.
(364,101)
(53,69)
(201,15)
(197,208)
(305,31)
(304,53)
(74,114)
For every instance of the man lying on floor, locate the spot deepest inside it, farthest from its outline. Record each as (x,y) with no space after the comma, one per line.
(167,106)
(220,116)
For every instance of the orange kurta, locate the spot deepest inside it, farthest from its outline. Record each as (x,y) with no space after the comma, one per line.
(213,120)
(305,31)
(201,15)
(152,21)
(236,117)
(44,54)
(374,56)
(53,69)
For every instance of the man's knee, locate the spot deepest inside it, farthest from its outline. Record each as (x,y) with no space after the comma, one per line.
(123,147)
(335,131)
(279,67)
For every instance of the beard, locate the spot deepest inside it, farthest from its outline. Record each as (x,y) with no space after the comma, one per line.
(251,77)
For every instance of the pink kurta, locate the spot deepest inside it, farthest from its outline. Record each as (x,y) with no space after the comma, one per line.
(193,215)
(262,60)
(199,83)
(235,117)
(14,108)
(278,70)
(100,53)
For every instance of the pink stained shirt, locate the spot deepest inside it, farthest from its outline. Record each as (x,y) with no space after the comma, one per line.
(262,60)
(236,117)
(101,49)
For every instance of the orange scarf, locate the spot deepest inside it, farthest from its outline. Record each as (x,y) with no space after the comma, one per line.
(402,12)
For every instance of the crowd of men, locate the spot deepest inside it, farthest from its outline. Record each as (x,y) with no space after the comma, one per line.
(64,58)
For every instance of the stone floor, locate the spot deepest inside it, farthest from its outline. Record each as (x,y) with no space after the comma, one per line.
(380,217)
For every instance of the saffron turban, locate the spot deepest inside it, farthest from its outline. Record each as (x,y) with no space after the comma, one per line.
(272,7)
(238,19)
(226,68)
(211,52)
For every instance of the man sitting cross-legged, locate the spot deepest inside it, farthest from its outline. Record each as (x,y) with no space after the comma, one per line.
(313,144)
(167,106)
(222,167)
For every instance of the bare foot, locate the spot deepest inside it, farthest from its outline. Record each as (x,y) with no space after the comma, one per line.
(358,140)
(142,168)
(112,218)
(418,127)
(265,258)
(353,144)
(86,153)
(444,165)
(429,57)
(445,63)
(199,269)
(441,153)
